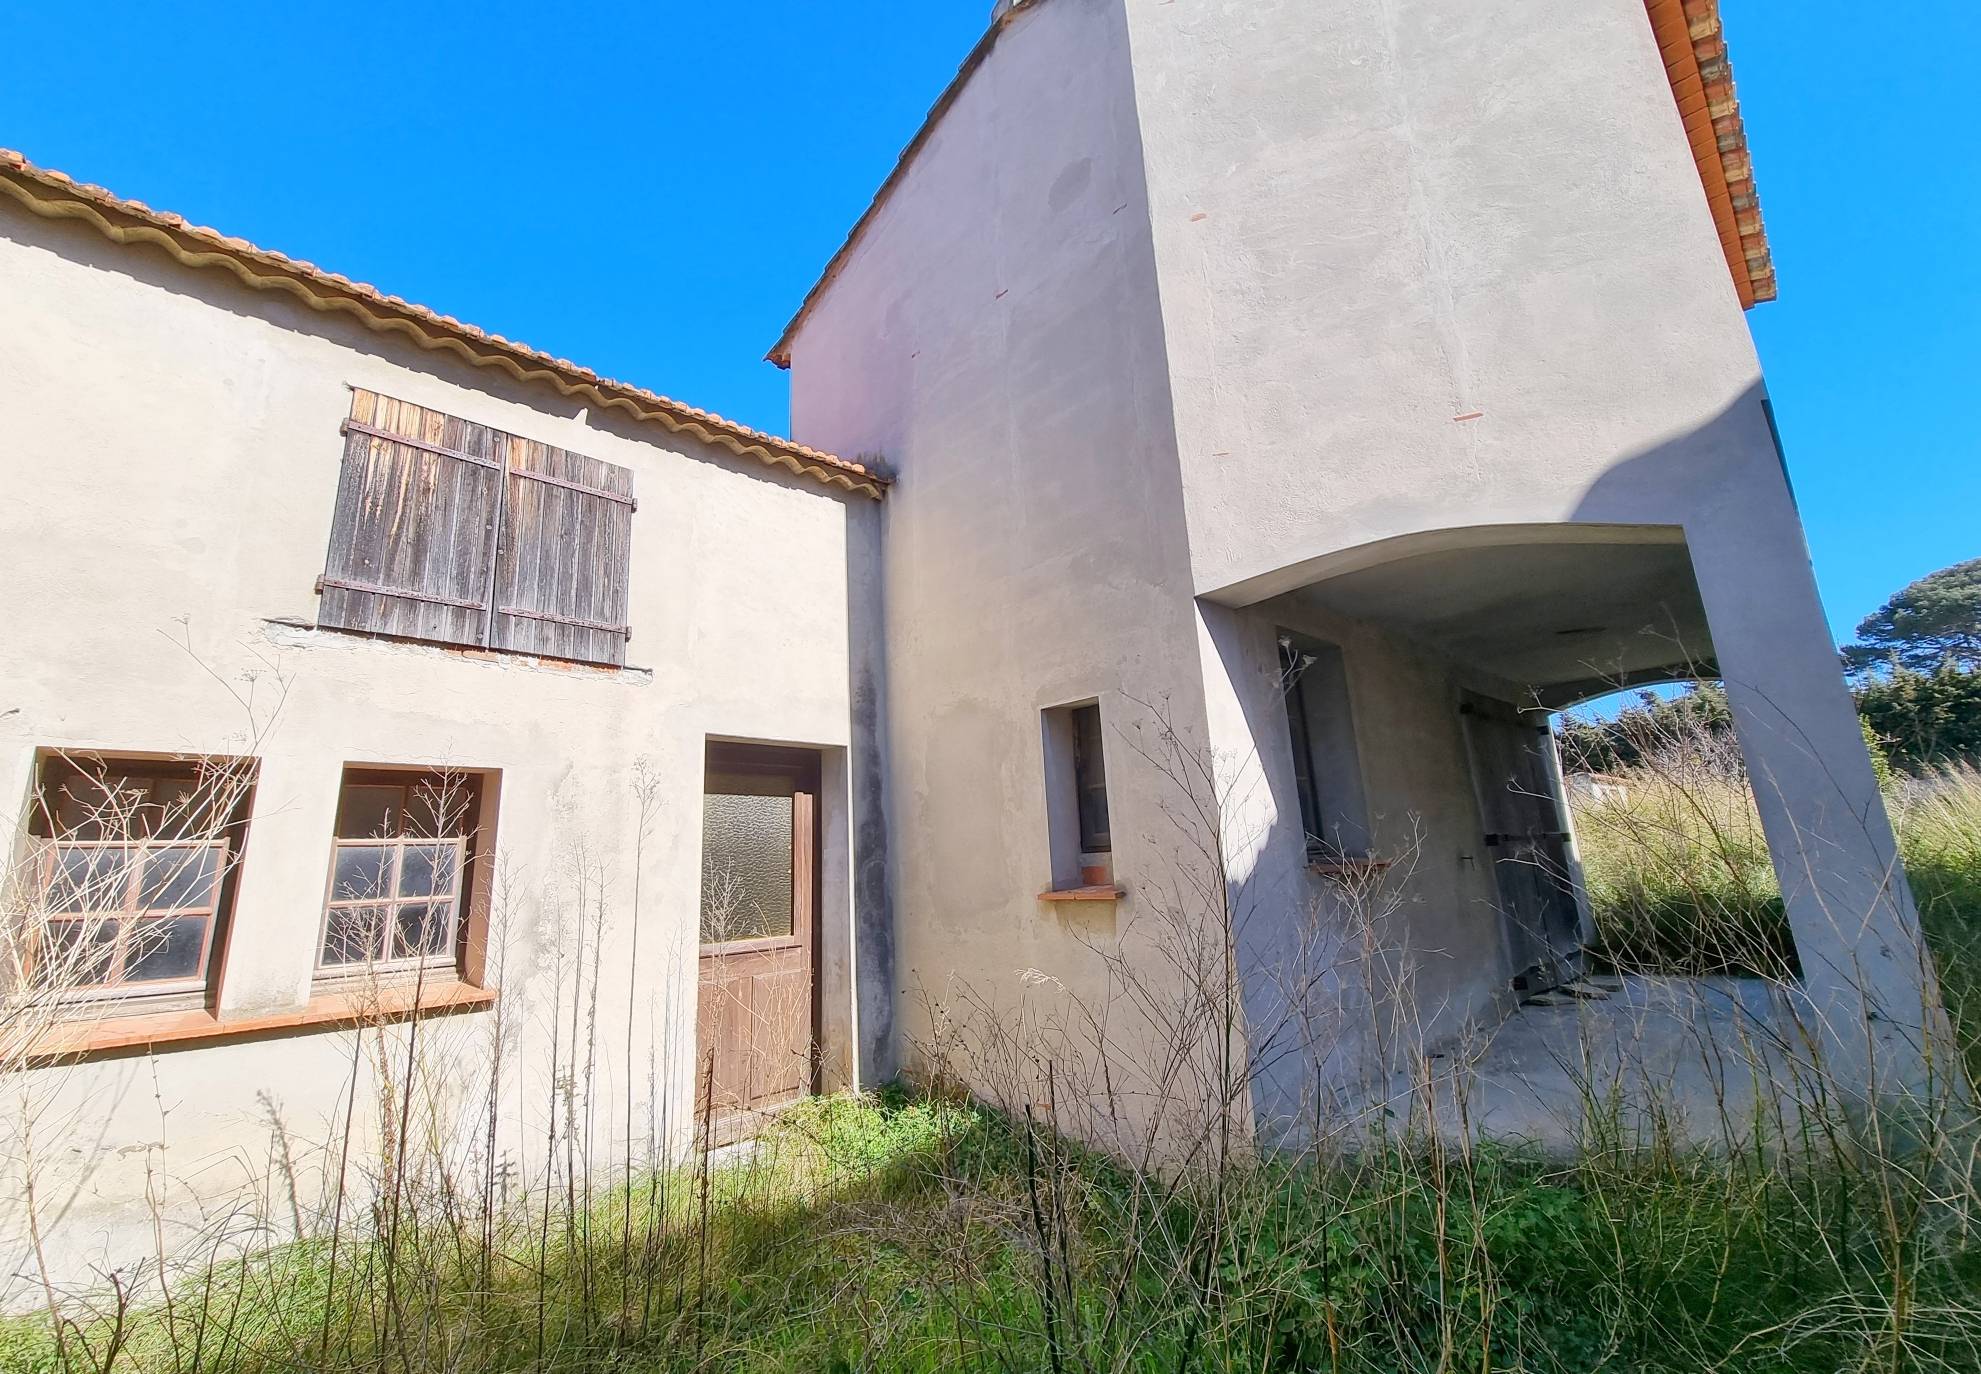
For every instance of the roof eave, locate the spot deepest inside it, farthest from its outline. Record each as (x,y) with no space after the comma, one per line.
(53,195)
(1694,51)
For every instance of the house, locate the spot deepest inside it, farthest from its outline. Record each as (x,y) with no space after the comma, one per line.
(1251,421)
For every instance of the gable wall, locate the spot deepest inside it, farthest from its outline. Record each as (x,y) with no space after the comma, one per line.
(993,338)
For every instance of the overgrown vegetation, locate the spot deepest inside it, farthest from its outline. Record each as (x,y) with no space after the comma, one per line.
(1678,869)
(923,1232)
(912,1235)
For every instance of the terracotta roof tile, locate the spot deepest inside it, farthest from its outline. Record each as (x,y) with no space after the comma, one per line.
(57,195)
(1695,55)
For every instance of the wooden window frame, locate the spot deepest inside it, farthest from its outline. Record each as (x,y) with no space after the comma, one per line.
(131,913)
(226,828)
(466,946)
(390,901)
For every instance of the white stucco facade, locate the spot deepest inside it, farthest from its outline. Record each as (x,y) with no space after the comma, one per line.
(170,460)
(1184,332)
(1400,326)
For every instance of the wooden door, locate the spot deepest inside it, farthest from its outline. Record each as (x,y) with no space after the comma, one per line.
(1526,838)
(755,1021)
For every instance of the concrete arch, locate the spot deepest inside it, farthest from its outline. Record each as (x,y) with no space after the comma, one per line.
(1419,543)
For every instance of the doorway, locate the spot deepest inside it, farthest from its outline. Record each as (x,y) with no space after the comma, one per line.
(756,1003)
(1526,838)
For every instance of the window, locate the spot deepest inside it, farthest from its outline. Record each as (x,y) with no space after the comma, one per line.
(135,861)
(401,870)
(1090,779)
(1077,822)
(456,533)
(1327,770)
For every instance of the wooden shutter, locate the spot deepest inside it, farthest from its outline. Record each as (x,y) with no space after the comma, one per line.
(458,533)
(563,555)
(412,539)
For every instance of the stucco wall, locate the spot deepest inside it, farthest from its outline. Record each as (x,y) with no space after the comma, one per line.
(1373,218)
(1185,299)
(1364,970)
(1426,265)
(169,450)
(994,338)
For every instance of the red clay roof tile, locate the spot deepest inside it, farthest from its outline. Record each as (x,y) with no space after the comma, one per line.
(52,193)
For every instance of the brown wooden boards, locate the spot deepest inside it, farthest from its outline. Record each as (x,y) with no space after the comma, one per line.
(457,533)
(756,1017)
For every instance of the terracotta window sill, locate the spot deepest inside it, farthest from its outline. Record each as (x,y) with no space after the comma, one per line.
(324,1011)
(1102,892)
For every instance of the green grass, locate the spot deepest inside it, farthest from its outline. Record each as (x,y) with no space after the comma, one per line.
(1679,876)
(899,1233)
(1939,829)
(896,1234)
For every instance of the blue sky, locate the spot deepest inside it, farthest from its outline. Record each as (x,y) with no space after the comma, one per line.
(650,189)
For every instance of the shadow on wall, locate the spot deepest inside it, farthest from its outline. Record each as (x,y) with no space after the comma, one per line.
(1319,981)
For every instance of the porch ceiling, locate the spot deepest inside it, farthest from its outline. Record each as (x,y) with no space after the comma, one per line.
(1567,620)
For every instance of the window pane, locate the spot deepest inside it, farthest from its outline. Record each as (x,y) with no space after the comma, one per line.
(422,928)
(352,934)
(368,812)
(179,878)
(183,808)
(164,949)
(362,872)
(84,810)
(746,867)
(90,879)
(1090,778)
(428,870)
(438,808)
(79,953)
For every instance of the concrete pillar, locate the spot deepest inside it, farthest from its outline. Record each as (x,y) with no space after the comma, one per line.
(1868,983)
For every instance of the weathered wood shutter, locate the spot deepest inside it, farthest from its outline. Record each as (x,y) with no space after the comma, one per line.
(411,541)
(457,533)
(562,559)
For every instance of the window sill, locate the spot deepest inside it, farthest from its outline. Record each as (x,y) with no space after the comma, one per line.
(323,1011)
(1344,866)
(1102,892)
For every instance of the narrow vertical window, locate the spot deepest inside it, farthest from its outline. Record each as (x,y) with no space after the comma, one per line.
(1327,769)
(1079,830)
(1090,780)
(1292,666)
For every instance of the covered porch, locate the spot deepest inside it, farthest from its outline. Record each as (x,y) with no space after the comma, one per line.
(1456,646)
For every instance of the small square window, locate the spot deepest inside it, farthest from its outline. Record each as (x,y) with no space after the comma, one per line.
(135,860)
(401,871)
